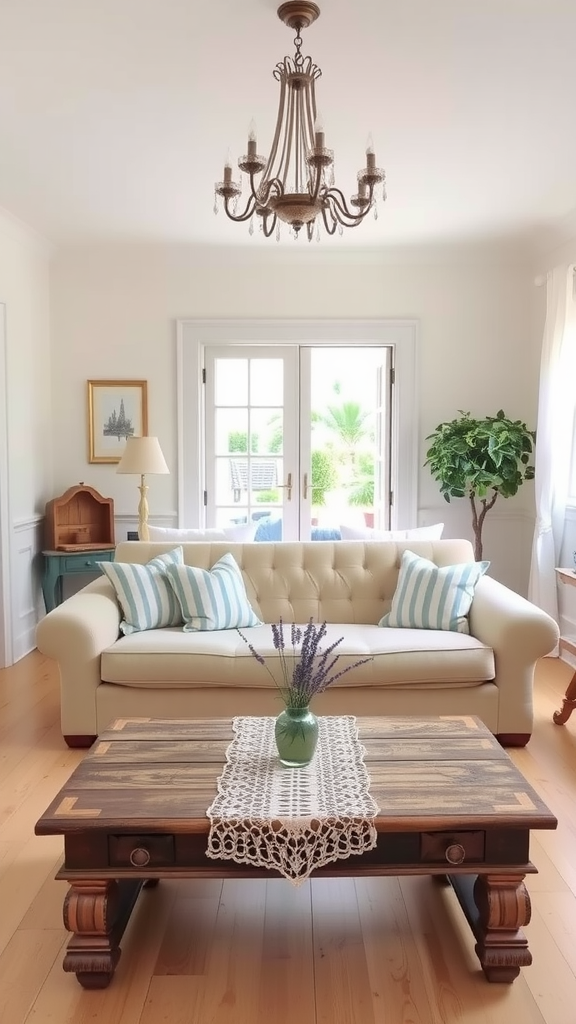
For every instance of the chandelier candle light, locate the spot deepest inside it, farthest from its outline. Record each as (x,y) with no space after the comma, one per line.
(297,184)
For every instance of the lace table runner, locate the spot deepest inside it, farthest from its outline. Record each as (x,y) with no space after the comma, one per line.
(292,819)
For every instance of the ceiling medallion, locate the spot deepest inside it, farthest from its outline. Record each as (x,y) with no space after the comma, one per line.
(297,184)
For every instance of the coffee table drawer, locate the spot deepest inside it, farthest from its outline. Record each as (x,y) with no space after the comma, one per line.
(140,851)
(452,848)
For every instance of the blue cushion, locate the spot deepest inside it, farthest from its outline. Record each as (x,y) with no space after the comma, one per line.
(325,533)
(144,594)
(212,598)
(428,596)
(271,529)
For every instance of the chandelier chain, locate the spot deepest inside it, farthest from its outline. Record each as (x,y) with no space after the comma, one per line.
(298,58)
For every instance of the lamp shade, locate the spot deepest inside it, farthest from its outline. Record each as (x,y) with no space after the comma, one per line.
(142,455)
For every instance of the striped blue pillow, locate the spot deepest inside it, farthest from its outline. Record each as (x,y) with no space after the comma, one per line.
(431,597)
(214,598)
(144,593)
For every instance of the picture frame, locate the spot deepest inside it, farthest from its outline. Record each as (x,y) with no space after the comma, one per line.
(117,409)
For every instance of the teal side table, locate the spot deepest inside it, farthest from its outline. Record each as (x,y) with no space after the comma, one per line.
(68,563)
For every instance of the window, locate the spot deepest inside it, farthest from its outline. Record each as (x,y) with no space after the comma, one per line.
(284,403)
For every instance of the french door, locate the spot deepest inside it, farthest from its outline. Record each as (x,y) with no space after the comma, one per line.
(297,438)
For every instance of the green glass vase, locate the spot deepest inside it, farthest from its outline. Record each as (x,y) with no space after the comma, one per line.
(296,734)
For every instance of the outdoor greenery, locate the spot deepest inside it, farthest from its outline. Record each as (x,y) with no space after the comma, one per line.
(362,488)
(480,459)
(324,475)
(238,441)
(342,456)
(268,497)
(348,422)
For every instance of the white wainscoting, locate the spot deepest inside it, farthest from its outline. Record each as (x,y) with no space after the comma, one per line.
(124,523)
(506,537)
(26,566)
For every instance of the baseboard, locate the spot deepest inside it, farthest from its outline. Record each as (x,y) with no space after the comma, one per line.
(24,644)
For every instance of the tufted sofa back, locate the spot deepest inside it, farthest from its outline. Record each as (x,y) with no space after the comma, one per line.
(336,581)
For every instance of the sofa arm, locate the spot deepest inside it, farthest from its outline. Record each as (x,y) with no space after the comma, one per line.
(519,633)
(75,634)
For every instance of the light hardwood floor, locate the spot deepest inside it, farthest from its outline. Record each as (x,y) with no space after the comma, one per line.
(371,951)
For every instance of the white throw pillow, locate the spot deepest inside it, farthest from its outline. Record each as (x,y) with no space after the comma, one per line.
(212,598)
(367,533)
(429,596)
(144,593)
(241,534)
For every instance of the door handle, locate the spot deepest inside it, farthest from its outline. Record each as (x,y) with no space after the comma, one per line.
(305,487)
(288,486)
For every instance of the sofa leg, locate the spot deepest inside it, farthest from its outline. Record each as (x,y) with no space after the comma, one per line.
(80,741)
(513,739)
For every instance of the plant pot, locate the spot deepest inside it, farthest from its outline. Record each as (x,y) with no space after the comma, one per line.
(296,734)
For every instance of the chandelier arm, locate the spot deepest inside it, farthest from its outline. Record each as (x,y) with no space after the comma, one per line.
(284,164)
(263,193)
(275,140)
(337,198)
(311,110)
(298,176)
(239,217)
(317,183)
(311,121)
(330,227)
(305,141)
(268,231)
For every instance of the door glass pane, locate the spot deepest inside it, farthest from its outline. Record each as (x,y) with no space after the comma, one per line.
(248,461)
(346,437)
(231,434)
(266,382)
(231,385)
(267,431)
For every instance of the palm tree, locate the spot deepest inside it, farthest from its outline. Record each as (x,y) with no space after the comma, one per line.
(348,421)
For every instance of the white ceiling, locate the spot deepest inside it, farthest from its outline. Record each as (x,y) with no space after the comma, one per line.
(116,115)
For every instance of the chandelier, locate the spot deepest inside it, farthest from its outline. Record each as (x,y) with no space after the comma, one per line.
(297,184)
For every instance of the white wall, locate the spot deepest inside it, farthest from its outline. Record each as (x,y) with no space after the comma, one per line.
(24,291)
(114,312)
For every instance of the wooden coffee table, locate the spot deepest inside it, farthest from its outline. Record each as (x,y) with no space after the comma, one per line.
(451,803)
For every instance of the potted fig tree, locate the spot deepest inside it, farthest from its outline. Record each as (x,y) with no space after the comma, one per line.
(481,459)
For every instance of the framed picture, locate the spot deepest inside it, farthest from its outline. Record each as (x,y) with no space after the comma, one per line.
(117,409)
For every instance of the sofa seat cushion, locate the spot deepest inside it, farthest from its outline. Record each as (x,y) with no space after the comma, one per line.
(170,657)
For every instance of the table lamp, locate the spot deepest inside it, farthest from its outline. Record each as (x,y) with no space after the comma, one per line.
(142,455)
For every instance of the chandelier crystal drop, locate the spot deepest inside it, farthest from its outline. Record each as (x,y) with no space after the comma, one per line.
(297,178)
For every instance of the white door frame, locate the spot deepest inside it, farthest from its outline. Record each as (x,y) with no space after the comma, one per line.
(193,335)
(5,587)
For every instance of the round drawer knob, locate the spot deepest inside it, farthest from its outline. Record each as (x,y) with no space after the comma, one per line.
(139,857)
(455,853)
(88,562)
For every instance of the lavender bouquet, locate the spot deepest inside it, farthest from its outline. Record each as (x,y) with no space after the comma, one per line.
(306,668)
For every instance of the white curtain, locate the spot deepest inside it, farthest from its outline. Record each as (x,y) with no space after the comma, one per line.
(554,433)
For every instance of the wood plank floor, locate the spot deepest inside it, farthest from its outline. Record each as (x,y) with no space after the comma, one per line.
(334,951)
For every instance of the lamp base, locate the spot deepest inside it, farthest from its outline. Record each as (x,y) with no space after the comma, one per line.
(143,531)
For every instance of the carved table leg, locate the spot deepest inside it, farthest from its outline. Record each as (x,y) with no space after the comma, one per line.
(497,906)
(568,705)
(97,913)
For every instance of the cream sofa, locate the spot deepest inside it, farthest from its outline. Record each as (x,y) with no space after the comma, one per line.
(169,673)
